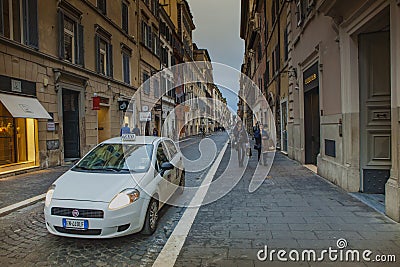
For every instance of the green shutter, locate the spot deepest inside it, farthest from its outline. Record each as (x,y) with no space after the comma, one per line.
(60,34)
(97,52)
(110,66)
(33,35)
(80,46)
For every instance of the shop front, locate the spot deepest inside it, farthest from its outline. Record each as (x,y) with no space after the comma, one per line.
(19,132)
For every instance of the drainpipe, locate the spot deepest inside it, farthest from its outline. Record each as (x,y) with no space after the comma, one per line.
(278,91)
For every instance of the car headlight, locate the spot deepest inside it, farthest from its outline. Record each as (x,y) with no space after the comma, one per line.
(123,199)
(49,195)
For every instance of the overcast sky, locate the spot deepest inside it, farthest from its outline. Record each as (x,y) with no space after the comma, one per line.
(217,29)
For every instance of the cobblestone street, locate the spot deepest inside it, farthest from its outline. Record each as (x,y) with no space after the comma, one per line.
(294,209)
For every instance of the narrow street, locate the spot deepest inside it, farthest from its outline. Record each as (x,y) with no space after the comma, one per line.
(293,209)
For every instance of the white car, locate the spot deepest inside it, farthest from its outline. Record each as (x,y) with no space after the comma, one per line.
(116,189)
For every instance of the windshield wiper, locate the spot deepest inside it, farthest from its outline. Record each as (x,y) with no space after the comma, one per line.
(82,168)
(114,169)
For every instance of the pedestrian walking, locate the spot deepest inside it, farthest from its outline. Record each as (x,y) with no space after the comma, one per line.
(136,130)
(125,130)
(241,140)
(266,143)
(155,132)
(257,138)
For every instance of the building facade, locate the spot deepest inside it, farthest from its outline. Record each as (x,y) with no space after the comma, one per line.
(331,79)
(264,29)
(70,71)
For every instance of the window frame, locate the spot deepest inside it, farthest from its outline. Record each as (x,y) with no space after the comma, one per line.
(73,37)
(27,29)
(103,52)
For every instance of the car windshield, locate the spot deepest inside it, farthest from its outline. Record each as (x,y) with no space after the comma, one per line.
(117,158)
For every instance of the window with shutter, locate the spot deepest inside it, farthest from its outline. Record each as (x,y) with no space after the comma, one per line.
(97,52)
(69,39)
(70,35)
(277,59)
(80,46)
(103,57)
(125,20)
(18,21)
(110,66)
(299,12)
(102,6)
(286,43)
(146,85)
(156,87)
(149,37)
(126,67)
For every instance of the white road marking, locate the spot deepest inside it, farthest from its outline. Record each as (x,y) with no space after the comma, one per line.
(21,204)
(170,251)
(184,140)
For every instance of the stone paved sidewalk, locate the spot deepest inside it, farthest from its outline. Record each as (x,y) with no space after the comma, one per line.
(294,209)
(21,187)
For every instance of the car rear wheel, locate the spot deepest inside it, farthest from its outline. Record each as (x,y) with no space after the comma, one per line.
(151,220)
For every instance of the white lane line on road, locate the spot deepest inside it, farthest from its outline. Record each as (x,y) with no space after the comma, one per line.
(21,204)
(170,251)
(184,140)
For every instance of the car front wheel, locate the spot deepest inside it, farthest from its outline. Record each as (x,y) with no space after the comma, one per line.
(151,221)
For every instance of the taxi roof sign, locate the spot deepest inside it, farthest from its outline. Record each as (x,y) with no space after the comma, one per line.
(128,137)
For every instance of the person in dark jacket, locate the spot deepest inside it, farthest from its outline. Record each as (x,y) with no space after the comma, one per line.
(155,132)
(125,130)
(257,138)
(240,139)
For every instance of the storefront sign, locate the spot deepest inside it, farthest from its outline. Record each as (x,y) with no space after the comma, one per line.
(16,86)
(123,105)
(96,103)
(145,116)
(311,79)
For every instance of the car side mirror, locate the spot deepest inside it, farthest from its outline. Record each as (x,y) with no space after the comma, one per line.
(165,167)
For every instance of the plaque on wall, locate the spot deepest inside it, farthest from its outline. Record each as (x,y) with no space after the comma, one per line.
(53,144)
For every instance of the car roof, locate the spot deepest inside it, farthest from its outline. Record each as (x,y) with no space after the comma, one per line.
(138,140)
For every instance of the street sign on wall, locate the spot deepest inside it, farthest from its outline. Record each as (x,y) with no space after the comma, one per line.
(145,116)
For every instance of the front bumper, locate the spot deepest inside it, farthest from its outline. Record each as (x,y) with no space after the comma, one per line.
(114,223)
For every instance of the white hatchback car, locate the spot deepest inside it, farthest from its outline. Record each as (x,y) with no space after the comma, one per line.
(116,189)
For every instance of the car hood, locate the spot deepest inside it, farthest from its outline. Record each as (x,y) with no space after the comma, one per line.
(87,186)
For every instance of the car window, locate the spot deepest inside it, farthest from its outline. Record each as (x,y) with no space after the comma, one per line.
(171,148)
(117,158)
(161,156)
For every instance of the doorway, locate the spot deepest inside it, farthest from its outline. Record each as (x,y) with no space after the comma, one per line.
(375,111)
(70,104)
(284,112)
(103,124)
(312,125)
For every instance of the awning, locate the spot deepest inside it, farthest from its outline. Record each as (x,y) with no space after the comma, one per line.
(24,107)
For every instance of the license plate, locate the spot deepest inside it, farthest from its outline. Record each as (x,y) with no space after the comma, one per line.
(75,224)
